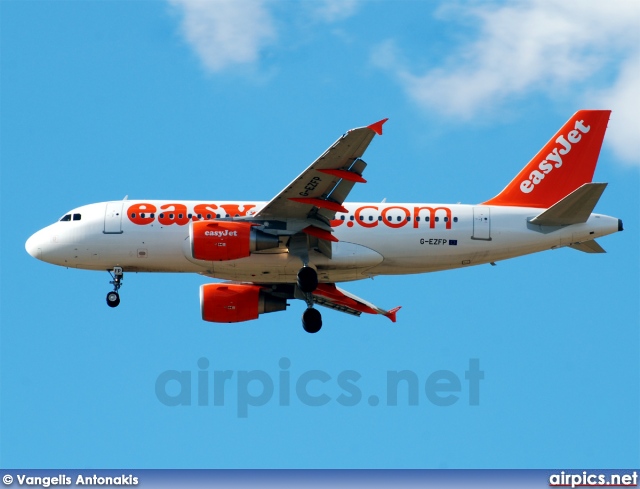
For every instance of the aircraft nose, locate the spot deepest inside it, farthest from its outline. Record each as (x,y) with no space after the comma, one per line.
(34,245)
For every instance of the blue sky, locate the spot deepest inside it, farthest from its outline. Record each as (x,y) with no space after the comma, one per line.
(231,100)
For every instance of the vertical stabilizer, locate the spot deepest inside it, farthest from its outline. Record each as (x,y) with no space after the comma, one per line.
(565,163)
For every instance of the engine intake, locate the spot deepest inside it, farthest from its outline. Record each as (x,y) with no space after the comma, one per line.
(234,303)
(224,240)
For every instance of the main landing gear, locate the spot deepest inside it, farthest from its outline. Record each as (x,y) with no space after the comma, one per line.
(311,320)
(307,283)
(113,298)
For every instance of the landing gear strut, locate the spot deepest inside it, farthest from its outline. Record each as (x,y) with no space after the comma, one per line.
(307,283)
(113,298)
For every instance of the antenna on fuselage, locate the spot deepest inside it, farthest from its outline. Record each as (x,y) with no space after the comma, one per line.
(126,197)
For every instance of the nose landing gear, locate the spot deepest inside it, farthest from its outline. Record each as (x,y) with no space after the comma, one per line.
(113,298)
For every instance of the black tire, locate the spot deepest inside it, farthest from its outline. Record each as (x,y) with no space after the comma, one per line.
(307,279)
(312,320)
(113,299)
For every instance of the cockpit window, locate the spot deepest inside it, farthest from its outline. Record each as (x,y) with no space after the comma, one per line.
(77,217)
(66,218)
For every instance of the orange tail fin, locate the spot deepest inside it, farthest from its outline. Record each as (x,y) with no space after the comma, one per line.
(565,163)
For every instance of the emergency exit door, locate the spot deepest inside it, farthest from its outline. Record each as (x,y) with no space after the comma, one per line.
(113,218)
(482,223)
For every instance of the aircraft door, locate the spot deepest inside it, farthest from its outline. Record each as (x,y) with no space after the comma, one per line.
(113,218)
(482,223)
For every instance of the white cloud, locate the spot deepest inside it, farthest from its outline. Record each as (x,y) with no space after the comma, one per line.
(623,134)
(550,46)
(335,10)
(226,32)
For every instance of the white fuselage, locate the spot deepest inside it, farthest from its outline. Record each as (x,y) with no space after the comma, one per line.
(374,239)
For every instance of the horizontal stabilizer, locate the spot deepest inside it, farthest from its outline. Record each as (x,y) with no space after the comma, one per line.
(575,208)
(590,246)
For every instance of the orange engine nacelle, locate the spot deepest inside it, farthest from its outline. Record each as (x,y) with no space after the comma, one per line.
(226,240)
(233,303)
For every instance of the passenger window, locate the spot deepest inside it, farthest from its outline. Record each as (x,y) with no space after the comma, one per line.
(351,218)
(362,218)
(66,218)
(379,218)
(418,218)
(437,219)
(446,219)
(342,218)
(399,219)
(455,219)
(371,218)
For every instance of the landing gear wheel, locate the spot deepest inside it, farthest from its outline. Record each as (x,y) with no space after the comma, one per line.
(311,320)
(307,279)
(113,299)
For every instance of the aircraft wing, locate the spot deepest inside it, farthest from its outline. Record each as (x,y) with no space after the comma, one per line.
(320,190)
(328,295)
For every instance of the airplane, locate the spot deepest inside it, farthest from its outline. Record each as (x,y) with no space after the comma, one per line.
(307,239)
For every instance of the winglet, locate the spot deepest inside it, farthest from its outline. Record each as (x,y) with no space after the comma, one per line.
(392,313)
(377,126)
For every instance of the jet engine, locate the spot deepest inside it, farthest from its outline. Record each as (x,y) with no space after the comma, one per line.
(233,303)
(227,240)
